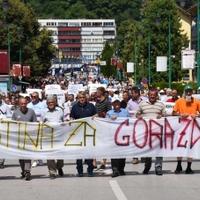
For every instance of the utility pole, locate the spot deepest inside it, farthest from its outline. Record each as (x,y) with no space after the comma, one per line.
(169,53)
(149,59)
(135,63)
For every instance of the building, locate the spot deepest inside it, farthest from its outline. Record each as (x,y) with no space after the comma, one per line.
(186,28)
(81,39)
(186,24)
(193,11)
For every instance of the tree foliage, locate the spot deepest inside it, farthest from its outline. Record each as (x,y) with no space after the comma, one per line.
(117,9)
(158,16)
(136,20)
(19,25)
(109,69)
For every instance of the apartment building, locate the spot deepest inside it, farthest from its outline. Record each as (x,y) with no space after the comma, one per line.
(82,39)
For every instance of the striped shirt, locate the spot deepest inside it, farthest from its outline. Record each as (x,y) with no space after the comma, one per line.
(149,110)
(103,107)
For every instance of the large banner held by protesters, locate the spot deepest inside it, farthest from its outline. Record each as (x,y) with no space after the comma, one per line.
(101,138)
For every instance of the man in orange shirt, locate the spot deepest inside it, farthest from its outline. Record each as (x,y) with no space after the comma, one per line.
(185,107)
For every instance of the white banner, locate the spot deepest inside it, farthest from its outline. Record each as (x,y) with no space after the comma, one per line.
(52,87)
(101,138)
(56,90)
(130,67)
(75,88)
(93,87)
(161,63)
(188,59)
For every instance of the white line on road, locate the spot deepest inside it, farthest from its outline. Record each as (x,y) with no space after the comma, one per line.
(117,190)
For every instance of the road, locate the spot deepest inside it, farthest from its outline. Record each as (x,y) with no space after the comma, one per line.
(134,185)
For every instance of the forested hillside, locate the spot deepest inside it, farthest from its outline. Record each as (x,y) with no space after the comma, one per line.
(118,9)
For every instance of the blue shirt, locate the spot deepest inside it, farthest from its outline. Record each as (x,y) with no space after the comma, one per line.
(122,113)
(82,110)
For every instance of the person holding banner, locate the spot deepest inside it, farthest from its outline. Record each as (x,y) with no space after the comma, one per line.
(152,108)
(80,110)
(125,99)
(23,113)
(103,105)
(174,97)
(132,107)
(53,114)
(38,108)
(117,165)
(68,106)
(185,107)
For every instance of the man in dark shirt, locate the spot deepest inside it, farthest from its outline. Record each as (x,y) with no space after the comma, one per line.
(80,110)
(103,105)
(125,100)
(27,115)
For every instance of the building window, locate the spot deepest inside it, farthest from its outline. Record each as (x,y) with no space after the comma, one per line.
(69,49)
(109,32)
(108,24)
(71,41)
(74,24)
(85,24)
(62,24)
(69,33)
(97,24)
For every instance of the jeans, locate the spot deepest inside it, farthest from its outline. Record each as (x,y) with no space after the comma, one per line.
(79,166)
(158,162)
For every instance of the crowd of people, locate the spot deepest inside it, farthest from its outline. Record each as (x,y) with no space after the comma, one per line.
(117,100)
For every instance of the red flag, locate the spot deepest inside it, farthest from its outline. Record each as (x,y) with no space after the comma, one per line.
(16,70)
(26,71)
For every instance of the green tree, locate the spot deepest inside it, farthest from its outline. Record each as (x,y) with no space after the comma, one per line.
(42,53)
(157,15)
(117,9)
(107,54)
(78,10)
(19,23)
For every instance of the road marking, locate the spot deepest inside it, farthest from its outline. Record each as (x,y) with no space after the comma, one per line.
(117,190)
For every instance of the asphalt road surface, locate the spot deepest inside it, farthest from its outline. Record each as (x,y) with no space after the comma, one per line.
(134,185)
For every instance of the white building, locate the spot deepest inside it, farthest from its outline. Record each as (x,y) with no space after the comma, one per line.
(80,38)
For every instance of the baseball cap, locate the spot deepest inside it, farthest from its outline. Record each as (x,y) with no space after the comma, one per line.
(188,87)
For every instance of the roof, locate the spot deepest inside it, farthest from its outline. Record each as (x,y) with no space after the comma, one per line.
(193,10)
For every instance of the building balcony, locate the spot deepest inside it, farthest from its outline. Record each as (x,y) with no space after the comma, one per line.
(78,29)
(69,45)
(69,37)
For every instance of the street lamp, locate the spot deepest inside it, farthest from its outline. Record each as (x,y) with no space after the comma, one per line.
(149,59)
(169,53)
(135,63)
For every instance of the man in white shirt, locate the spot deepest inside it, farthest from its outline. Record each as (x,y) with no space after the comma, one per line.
(38,108)
(53,114)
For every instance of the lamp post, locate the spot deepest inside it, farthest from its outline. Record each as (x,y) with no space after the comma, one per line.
(169,53)
(20,51)
(20,45)
(149,59)
(198,43)
(135,63)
